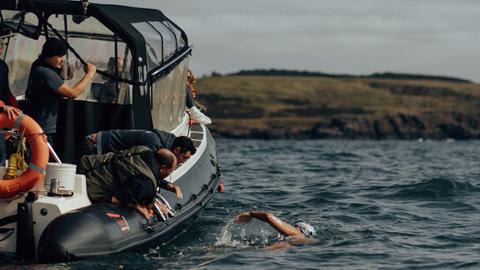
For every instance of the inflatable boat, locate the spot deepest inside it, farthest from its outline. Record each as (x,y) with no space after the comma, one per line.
(142,88)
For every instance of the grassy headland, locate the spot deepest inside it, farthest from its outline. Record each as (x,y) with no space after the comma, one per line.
(252,106)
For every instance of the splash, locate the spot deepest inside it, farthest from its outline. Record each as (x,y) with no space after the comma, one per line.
(225,239)
(252,234)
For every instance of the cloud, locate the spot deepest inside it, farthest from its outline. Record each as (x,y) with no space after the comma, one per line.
(348,36)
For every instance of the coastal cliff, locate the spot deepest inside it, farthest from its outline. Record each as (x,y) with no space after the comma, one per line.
(275,107)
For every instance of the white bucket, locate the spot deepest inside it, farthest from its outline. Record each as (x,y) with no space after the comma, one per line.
(64,172)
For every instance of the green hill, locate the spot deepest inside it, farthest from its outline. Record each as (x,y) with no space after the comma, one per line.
(344,107)
(385,75)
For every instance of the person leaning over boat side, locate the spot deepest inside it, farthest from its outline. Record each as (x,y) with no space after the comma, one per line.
(129,177)
(116,140)
(300,233)
(46,87)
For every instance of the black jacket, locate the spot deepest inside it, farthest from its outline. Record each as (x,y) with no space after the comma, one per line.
(116,140)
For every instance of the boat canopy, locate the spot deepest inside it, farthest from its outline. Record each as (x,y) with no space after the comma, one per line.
(141,57)
(154,40)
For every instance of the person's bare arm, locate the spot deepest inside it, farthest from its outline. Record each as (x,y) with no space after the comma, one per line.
(282,227)
(176,189)
(73,92)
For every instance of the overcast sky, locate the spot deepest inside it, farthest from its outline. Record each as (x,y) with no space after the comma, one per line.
(439,37)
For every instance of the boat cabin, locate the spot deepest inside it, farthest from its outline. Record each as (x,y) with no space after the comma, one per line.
(141,57)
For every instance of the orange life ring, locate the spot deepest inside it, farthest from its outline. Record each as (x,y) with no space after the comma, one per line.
(39,154)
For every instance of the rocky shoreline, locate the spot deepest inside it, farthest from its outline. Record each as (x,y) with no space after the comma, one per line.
(326,108)
(396,127)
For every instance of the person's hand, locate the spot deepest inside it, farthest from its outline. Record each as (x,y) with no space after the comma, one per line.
(178,191)
(90,69)
(243,218)
(163,208)
(12,112)
(144,210)
(92,138)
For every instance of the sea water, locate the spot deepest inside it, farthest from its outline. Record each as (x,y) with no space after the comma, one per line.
(374,205)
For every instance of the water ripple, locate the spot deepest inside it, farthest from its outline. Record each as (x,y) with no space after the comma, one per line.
(429,189)
(375,205)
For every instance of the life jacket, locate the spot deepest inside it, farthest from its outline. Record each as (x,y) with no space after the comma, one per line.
(107,172)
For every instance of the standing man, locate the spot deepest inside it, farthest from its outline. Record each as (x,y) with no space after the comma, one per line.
(46,87)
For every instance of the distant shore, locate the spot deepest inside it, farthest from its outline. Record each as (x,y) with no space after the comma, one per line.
(318,107)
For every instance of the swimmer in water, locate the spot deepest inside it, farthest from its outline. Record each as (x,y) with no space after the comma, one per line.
(300,233)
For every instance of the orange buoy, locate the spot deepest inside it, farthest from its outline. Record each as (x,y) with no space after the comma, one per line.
(39,154)
(220,188)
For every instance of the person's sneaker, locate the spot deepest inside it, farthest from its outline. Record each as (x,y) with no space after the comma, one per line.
(198,117)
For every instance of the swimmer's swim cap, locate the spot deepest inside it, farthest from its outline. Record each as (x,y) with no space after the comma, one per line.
(306,229)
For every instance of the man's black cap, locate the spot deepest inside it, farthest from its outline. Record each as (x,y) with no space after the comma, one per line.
(53,47)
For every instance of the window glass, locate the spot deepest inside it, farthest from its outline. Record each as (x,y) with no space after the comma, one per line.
(162,41)
(12,18)
(178,34)
(99,46)
(80,25)
(169,98)
(24,22)
(169,40)
(153,41)
(20,52)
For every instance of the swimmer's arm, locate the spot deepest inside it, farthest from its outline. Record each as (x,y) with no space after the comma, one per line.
(279,245)
(282,227)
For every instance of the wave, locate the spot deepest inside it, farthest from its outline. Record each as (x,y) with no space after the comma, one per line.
(341,156)
(429,189)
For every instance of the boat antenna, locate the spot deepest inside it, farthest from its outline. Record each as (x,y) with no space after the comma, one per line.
(85,6)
